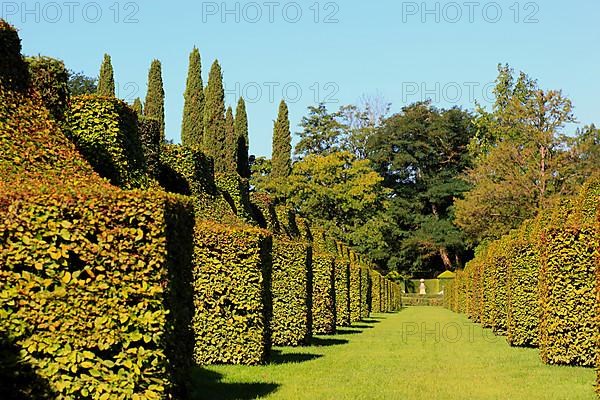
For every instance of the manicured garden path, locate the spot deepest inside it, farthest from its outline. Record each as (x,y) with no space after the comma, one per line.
(391,356)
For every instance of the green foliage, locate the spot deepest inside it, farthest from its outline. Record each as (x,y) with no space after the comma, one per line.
(232,277)
(192,126)
(523,308)
(149,134)
(355,293)
(154,105)
(80,84)
(105,131)
(214,118)
(49,79)
(281,159)
(291,324)
(236,192)
(342,292)
(138,107)
(497,261)
(230,151)
(569,250)
(185,171)
(323,301)
(321,133)
(243,142)
(106,80)
(89,291)
(14,73)
(365,292)
(376,292)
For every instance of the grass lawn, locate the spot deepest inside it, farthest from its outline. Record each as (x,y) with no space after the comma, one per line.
(419,353)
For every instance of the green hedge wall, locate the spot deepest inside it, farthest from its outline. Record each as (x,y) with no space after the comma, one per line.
(323,301)
(489,293)
(342,292)
(355,292)
(376,291)
(94,289)
(184,170)
(568,325)
(264,212)
(236,192)
(49,78)
(523,305)
(365,291)
(105,131)
(232,296)
(497,261)
(150,138)
(291,324)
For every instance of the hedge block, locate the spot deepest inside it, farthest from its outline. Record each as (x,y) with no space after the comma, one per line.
(355,293)
(14,74)
(365,291)
(105,131)
(342,292)
(376,291)
(183,170)
(323,302)
(232,294)
(569,326)
(49,78)
(94,288)
(291,324)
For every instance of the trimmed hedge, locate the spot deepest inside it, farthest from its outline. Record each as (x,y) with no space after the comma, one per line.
(150,138)
(523,306)
(49,78)
(365,289)
(232,294)
(497,261)
(184,170)
(323,300)
(355,293)
(342,292)
(236,192)
(291,324)
(93,288)
(569,248)
(376,292)
(105,132)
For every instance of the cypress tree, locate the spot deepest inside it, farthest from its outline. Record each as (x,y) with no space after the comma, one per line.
(230,142)
(214,118)
(137,107)
(192,126)
(242,141)
(155,98)
(106,81)
(281,158)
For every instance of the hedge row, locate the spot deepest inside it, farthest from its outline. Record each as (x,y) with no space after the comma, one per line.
(365,291)
(292,292)
(355,293)
(539,284)
(342,292)
(323,301)
(232,297)
(377,292)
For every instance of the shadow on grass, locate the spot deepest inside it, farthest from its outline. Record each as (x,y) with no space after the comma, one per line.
(348,331)
(278,358)
(371,321)
(324,342)
(362,326)
(207,385)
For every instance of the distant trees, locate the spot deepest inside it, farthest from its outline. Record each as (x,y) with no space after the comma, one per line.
(154,106)
(106,80)
(192,126)
(80,84)
(281,159)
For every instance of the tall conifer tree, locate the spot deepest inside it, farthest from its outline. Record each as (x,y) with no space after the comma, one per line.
(281,159)
(192,126)
(106,81)
(137,107)
(214,118)
(230,142)
(154,106)
(242,140)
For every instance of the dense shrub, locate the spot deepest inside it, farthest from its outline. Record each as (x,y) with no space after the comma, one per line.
(105,131)
(49,78)
(365,291)
(235,190)
(89,288)
(185,170)
(376,292)
(14,74)
(569,248)
(232,294)
(149,133)
(287,220)
(523,308)
(323,301)
(264,213)
(291,324)
(497,262)
(342,291)
(355,293)
(489,292)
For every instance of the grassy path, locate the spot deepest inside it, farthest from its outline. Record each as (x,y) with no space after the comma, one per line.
(419,353)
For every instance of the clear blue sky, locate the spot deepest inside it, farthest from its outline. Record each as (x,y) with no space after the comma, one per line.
(407,51)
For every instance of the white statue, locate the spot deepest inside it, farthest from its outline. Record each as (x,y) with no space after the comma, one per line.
(422,289)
